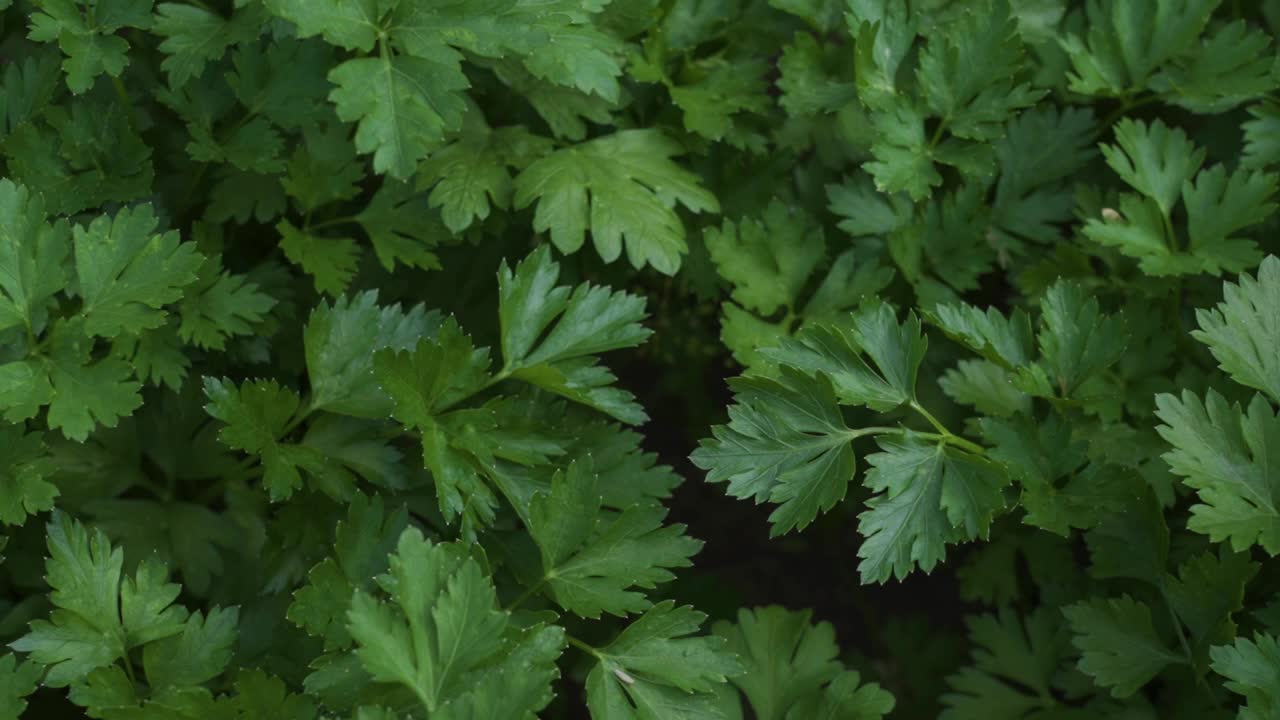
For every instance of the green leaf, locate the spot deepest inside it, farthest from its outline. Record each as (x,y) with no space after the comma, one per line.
(622,186)
(1228,456)
(255,146)
(551,333)
(349,25)
(903,158)
(927,496)
(404,105)
(1015,661)
(25,468)
(1127,43)
(711,105)
(786,442)
(341,341)
(1208,590)
(127,272)
(1118,644)
(190,538)
(985,386)
(1261,136)
(806,88)
(1076,340)
(885,33)
(1138,231)
(258,694)
(84,394)
(767,260)
(330,261)
(32,257)
(866,211)
(401,227)
(655,669)
(1130,540)
(1001,339)
(323,168)
(969,76)
(99,614)
(195,36)
(279,81)
(1154,159)
(439,623)
(591,561)
(256,415)
(1252,669)
(1059,491)
(17,681)
(362,543)
(437,373)
(1241,331)
(471,175)
(26,89)
(1233,65)
(24,389)
(1042,151)
(425,383)
(199,654)
(791,663)
(219,306)
(87,36)
(408,97)
(1218,206)
(838,348)
(847,696)
(516,684)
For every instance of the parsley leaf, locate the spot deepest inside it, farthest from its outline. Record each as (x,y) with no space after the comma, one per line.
(17,681)
(1241,331)
(101,614)
(590,560)
(622,186)
(792,668)
(25,468)
(88,36)
(1225,454)
(1118,643)
(786,443)
(1250,669)
(655,666)
(550,333)
(931,495)
(439,622)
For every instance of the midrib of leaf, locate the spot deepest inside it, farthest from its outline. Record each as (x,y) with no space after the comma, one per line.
(911,510)
(388,67)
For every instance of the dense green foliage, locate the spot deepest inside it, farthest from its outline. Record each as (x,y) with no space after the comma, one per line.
(315,403)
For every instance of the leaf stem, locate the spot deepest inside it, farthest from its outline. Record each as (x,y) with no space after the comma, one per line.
(528,593)
(937,132)
(155,489)
(494,380)
(345,219)
(929,416)
(581,645)
(945,437)
(298,419)
(125,101)
(1182,635)
(1126,105)
(128,670)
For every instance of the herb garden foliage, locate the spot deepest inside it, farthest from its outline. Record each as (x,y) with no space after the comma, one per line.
(308,310)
